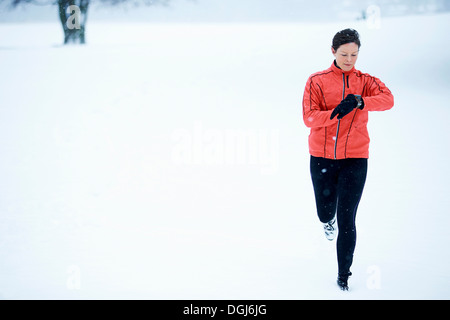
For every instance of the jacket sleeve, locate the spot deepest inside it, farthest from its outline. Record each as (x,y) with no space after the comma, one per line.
(377,97)
(313,116)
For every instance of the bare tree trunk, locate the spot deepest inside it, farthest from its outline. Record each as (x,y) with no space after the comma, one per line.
(72,15)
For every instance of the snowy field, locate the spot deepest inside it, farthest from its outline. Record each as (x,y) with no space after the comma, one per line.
(165,161)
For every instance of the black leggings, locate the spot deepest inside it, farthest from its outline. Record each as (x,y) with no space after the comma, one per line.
(338,186)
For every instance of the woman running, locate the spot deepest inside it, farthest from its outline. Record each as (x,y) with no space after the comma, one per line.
(336,105)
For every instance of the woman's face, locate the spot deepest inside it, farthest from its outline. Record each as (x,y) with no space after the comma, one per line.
(346,55)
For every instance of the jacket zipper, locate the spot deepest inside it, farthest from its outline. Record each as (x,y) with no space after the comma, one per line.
(339,121)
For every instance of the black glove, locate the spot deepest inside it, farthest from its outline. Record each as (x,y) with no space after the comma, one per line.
(347,105)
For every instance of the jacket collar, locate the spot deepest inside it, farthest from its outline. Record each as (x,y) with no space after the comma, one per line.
(339,71)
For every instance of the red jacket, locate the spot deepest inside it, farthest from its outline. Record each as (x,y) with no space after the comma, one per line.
(348,137)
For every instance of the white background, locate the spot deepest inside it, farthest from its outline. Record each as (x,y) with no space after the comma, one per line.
(98,200)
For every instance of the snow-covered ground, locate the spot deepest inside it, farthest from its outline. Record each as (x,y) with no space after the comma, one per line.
(170,161)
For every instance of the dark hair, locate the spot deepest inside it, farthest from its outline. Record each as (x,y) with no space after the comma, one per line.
(345,36)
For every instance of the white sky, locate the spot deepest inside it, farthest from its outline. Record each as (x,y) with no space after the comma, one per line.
(223,11)
(200,11)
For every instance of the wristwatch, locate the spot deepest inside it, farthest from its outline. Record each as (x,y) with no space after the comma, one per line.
(359,100)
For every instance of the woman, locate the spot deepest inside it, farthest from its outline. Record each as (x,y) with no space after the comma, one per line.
(336,105)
